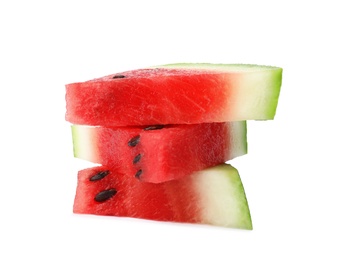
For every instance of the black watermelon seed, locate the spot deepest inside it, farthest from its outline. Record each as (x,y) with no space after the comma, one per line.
(137,158)
(138,174)
(119,76)
(134,141)
(153,127)
(105,195)
(99,176)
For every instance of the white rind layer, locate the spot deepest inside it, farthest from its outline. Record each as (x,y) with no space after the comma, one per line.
(238,138)
(257,95)
(222,197)
(84,142)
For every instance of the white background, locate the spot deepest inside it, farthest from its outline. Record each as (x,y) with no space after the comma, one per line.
(295,171)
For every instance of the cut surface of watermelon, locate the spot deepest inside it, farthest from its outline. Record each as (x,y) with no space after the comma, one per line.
(160,153)
(176,94)
(214,196)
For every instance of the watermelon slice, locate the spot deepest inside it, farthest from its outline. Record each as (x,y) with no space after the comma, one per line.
(160,153)
(213,196)
(176,94)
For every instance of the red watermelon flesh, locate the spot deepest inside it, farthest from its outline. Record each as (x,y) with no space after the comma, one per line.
(213,196)
(176,94)
(160,153)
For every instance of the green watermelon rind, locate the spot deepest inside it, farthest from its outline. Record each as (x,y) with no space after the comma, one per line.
(223,181)
(76,145)
(240,139)
(246,220)
(82,139)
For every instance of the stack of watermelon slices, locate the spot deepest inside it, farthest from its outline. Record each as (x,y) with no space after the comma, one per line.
(161,137)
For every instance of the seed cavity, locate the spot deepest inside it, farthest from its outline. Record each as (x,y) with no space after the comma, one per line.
(119,76)
(138,174)
(99,176)
(153,127)
(105,195)
(137,158)
(134,141)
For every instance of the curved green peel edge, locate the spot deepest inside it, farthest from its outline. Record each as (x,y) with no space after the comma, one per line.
(233,176)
